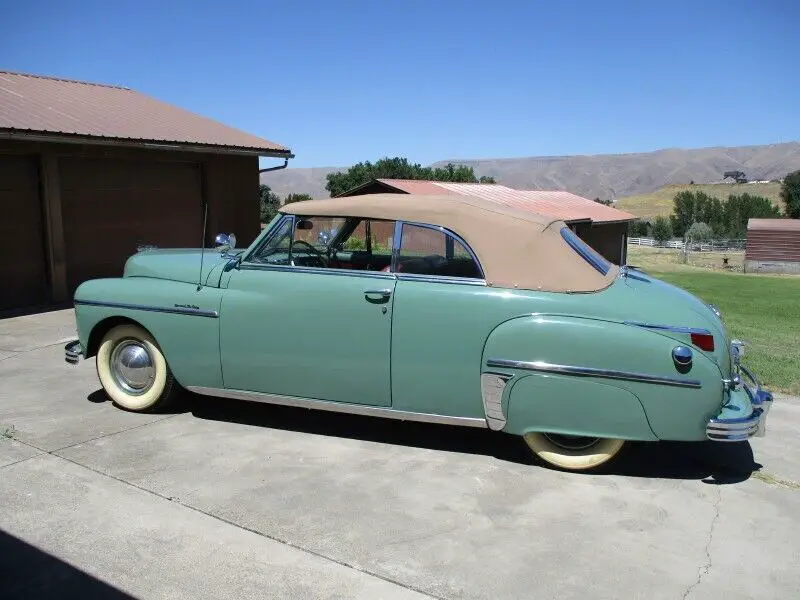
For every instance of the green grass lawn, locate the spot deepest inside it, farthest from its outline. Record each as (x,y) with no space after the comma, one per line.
(761,310)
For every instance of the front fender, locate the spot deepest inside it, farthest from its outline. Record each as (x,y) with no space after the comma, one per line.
(183,320)
(616,400)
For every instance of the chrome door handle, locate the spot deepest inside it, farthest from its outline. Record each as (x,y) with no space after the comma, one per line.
(380,293)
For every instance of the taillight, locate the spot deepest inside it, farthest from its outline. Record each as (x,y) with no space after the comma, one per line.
(704,341)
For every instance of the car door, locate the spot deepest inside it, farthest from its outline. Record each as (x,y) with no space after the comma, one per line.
(292,325)
(443,313)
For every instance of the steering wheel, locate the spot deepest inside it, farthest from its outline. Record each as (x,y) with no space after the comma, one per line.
(314,250)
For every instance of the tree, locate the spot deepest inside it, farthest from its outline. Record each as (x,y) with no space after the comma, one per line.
(269,203)
(699,232)
(790,194)
(637,228)
(696,207)
(742,207)
(297,198)
(662,229)
(603,202)
(398,168)
(486,179)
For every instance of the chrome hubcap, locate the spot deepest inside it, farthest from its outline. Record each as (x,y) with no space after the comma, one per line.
(133,367)
(572,442)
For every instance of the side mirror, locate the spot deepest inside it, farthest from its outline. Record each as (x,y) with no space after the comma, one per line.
(225,241)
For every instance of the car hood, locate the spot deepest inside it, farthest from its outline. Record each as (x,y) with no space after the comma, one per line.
(179,264)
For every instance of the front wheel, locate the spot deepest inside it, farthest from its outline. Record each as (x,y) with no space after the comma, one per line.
(133,371)
(572,452)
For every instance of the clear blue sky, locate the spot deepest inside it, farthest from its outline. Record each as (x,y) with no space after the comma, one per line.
(339,82)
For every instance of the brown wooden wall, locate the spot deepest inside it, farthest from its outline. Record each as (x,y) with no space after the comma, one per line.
(22,259)
(773,245)
(72,212)
(609,239)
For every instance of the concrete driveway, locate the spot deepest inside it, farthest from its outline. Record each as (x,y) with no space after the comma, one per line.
(239,500)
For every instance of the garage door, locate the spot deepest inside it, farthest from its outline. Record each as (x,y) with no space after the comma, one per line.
(111,206)
(22,261)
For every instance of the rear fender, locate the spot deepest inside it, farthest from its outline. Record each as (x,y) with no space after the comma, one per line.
(675,406)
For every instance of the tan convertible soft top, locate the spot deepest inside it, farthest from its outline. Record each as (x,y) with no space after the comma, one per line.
(516,248)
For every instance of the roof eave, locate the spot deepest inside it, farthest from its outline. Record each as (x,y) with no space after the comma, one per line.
(609,221)
(69,138)
(361,186)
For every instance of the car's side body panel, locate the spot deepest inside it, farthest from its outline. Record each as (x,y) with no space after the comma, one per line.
(629,359)
(183,320)
(558,404)
(438,334)
(308,333)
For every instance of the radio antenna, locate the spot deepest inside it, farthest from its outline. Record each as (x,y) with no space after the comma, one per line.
(202,245)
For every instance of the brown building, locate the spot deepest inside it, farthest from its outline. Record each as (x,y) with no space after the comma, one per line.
(89,171)
(602,227)
(773,246)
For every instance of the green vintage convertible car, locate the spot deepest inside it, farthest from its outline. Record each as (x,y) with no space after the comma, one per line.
(443,309)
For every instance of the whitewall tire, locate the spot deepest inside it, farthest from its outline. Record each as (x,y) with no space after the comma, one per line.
(573,453)
(133,371)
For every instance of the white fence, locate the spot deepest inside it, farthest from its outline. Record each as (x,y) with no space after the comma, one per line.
(712,246)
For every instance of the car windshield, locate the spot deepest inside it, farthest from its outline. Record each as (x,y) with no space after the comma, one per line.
(588,253)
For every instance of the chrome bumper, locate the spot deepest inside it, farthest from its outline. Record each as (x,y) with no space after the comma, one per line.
(740,430)
(73,352)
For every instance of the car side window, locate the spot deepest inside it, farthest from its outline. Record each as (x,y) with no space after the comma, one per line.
(324,242)
(432,251)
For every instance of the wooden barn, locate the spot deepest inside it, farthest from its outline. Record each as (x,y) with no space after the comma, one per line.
(773,246)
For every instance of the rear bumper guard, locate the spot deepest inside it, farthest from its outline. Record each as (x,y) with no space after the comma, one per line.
(73,352)
(740,430)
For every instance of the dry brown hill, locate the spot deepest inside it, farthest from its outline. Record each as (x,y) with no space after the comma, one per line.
(611,176)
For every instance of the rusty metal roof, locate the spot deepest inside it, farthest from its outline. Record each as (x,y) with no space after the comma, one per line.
(34,104)
(773,225)
(415,186)
(561,205)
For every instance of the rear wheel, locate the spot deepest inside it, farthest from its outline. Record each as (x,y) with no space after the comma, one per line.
(133,371)
(573,452)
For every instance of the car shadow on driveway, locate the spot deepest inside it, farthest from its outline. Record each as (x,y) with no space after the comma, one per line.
(710,462)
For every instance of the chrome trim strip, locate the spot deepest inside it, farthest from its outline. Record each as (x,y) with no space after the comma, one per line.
(397,237)
(368,274)
(441,279)
(342,407)
(316,270)
(178,310)
(545,367)
(73,352)
(673,328)
(492,387)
